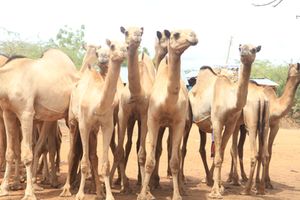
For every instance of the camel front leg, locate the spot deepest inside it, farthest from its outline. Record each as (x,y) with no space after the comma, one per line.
(217,130)
(26,120)
(107,129)
(85,162)
(177,134)
(17,149)
(2,144)
(71,158)
(151,137)
(142,149)
(10,122)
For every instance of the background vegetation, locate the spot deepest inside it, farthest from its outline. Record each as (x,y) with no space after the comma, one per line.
(70,41)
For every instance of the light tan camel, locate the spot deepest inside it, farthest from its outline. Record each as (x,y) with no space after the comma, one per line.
(90,57)
(91,107)
(225,111)
(168,107)
(33,90)
(133,103)
(279,107)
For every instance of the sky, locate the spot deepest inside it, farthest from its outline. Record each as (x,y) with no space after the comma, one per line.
(276,29)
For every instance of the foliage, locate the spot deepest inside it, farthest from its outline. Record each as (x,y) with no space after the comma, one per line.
(278,74)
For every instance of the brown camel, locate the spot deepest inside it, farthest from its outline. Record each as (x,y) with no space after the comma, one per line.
(91,107)
(33,90)
(133,104)
(168,106)
(279,107)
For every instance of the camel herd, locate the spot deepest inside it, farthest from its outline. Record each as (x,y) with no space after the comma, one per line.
(34,94)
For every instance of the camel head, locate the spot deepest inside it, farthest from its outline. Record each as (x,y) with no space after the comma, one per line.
(248,53)
(161,45)
(294,71)
(133,36)
(117,50)
(91,53)
(180,40)
(103,58)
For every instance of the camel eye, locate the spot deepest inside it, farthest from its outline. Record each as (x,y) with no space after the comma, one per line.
(253,50)
(112,47)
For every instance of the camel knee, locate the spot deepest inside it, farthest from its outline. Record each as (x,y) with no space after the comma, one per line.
(253,161)
(174,165)
(105,170)
(150,164)
(142,156)
(85,167)
(26,156)
(218,162)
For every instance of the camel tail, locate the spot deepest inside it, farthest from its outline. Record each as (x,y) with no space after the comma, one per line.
(263,107)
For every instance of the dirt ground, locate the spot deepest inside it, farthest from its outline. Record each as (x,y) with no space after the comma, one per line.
(284,171)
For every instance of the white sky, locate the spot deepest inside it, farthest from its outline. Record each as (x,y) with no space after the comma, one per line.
(214,21)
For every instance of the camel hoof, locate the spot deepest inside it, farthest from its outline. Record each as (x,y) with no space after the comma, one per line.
(110,198)
(177,198)
(29,197)
(148,196)
(269,185)
(245,192)
(3,192)
(215,195)
(80,196)
(37,187)
(65,193)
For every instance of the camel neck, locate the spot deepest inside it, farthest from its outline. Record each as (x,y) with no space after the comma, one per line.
(134,82)
(110,85)
(174,63)
(158,57)
(242,87)
(85,63)
(285,102)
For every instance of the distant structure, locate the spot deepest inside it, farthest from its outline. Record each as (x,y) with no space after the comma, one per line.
(265,82)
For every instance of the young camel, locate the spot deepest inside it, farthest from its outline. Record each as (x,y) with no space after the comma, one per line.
(33,90)
(279,107)
(133,104)
(91,107)
(168,106)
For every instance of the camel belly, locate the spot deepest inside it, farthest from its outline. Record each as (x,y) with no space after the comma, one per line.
(45,114)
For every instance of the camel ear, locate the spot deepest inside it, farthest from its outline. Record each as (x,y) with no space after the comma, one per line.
(167,33)
(108,42)
(258,48)
(142,30)
(240,47)
(123,30)
(159,35)
(176,35)
(298,66)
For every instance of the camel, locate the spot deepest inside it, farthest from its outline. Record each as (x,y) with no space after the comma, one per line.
(90,56)
(279,107)
(91,107)
(133,104)
(168,107)
(207,112)
(33,90)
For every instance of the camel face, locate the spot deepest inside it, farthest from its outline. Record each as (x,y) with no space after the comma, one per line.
(118,50)
(294,70)
(103,56)
(248,53)
(133,35)
(91,52)
(180,40)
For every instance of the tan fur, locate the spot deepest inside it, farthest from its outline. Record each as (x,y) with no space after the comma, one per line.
(34,89)
(91,107)
(168,106)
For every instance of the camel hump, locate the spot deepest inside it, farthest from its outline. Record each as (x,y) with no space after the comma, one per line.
(209,68)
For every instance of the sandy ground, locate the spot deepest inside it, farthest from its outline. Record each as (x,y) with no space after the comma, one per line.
(285,171)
